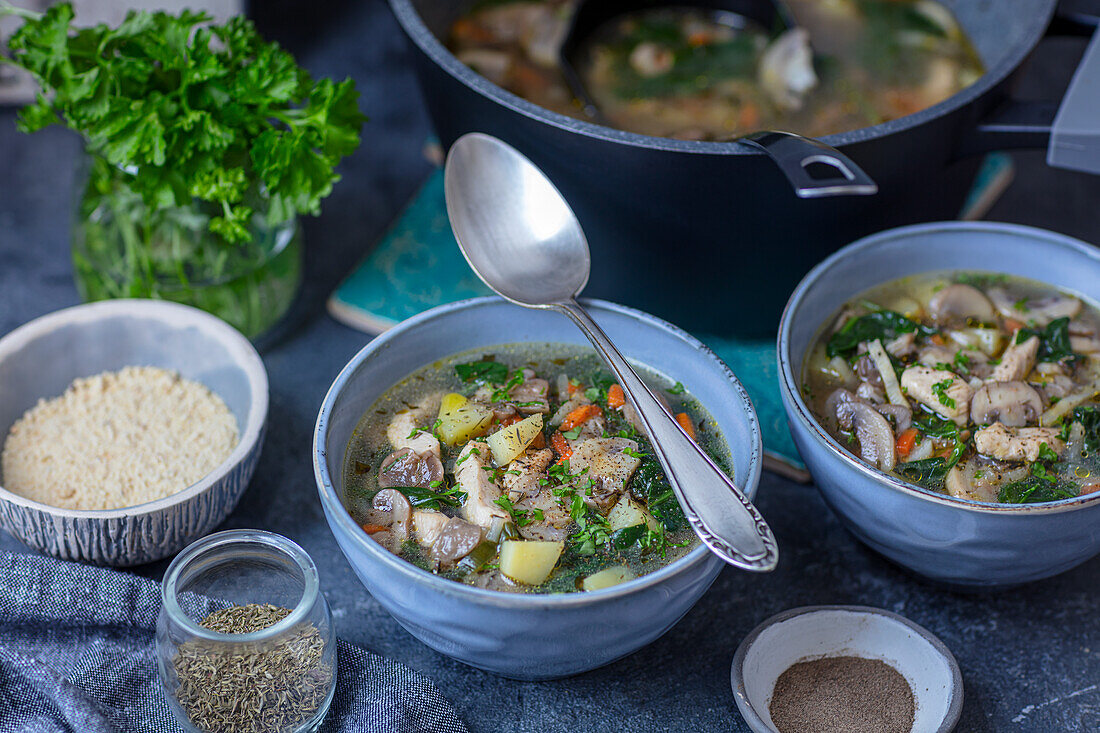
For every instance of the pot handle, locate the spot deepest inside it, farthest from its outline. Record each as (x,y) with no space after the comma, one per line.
(1069,130)
(813,168)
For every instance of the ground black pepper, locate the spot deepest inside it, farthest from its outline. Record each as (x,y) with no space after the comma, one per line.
(842,695)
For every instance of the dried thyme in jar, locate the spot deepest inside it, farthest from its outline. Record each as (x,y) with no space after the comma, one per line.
(266,686)
(842,695)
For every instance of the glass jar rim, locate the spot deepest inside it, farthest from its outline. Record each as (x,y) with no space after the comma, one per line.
(220,540)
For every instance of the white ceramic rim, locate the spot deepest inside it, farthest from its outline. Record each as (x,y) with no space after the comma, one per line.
(311,584)
(238,347)
(524,601)
(954,705)
(789,383)
(434,49)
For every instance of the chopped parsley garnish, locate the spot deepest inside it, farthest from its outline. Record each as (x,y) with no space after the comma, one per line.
(676,389)
(521,517)
(940,390)
(572,434)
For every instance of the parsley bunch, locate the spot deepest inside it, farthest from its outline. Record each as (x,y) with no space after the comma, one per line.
(191,111)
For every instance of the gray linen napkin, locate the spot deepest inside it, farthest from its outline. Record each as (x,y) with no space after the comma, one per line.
(77,654)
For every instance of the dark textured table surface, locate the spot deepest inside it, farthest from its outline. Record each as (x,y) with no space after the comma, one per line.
(1030,657)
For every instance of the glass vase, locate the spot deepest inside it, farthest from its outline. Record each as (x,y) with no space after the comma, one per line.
(279,679)
(123,248)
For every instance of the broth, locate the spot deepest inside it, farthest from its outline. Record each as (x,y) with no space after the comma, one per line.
(979,385)
(694,74)
(540,481)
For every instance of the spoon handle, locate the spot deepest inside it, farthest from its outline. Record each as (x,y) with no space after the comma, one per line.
(726,521)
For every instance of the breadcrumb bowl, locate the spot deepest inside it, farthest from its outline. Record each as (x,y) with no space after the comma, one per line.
(42,358)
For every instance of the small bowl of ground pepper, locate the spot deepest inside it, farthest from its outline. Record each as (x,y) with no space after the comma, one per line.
(845,669)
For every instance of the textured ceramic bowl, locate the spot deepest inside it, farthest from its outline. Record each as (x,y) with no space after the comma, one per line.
(813,632)
(960,543)
(526,636)
(41,359)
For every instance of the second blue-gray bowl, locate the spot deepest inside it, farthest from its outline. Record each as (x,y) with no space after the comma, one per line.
(527,636)
(961,543)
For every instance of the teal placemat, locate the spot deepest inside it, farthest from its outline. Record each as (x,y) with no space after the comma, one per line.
(417,265)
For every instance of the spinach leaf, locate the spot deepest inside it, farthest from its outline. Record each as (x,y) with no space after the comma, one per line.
(1035,489)
(489,372)
(881,325)
(1054,342)
(931,473)
(627,537)
(935,426)
(650,485)
(1089,417)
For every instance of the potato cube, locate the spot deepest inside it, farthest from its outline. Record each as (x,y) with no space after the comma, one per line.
(529,562)
(509,442)
(607,578)
(460,420)
(629,513)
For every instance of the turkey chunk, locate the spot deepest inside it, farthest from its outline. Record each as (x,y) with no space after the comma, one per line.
(402,432)
(481,492)
(609,465)
(941,391)
(1017,361)
(1016,444)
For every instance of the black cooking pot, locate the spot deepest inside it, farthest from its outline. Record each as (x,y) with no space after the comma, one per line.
(711,235)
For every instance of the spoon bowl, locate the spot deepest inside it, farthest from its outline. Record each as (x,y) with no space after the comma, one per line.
(521,238)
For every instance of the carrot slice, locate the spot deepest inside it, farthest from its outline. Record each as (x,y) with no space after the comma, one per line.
(938,339)
(510,420)
(615,397)
(685,423)
(559,444)
(579,416)
(906,441)
(373,528)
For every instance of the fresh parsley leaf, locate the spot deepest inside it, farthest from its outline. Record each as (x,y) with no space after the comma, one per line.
(676,389)
(961,363)
(178,110)
(593,394)
(881,325)
(486,372)
(573,434)
(501,394)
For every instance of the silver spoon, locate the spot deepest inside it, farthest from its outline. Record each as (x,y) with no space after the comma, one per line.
(522,239)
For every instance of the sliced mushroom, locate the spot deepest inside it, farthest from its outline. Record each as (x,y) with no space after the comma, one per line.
(940,390)
(391,510)
(1039,311)
(876,437)
(456,540)
(868,372)
(901,415)
(531,396)
(1016,444)
(869,393)
(960,304)
(840,406)
(1014,404)
(408,468)
(1016,361)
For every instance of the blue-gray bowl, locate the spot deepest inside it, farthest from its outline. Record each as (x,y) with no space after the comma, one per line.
(41,358)
(526,636)
(961,543)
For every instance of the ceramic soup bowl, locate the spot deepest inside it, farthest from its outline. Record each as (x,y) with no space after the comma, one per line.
(961,543)
(526,636)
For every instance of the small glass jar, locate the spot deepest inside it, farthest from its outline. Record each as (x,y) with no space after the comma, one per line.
(277,679)
(124,248)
